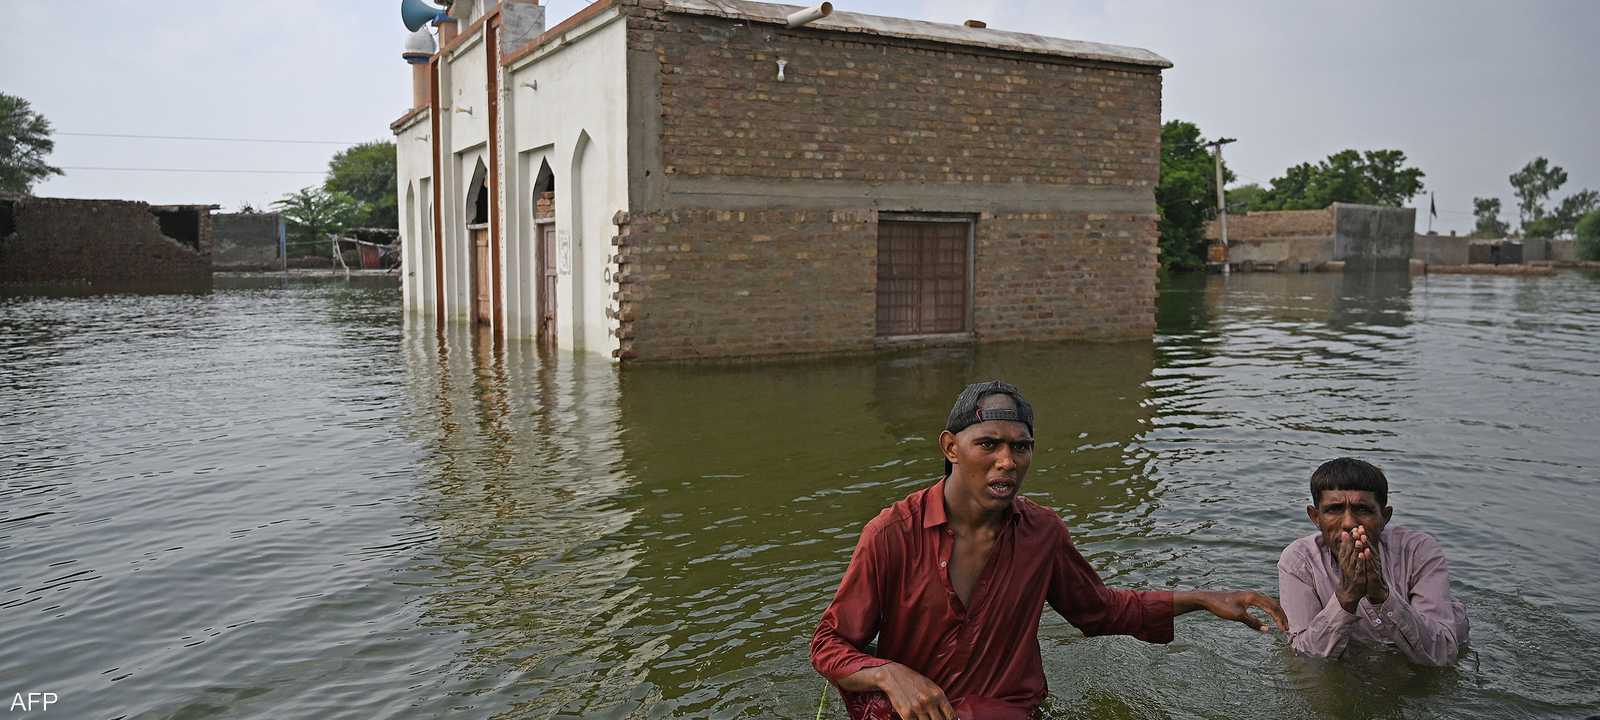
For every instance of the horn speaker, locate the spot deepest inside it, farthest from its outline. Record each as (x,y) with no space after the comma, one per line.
(416,13)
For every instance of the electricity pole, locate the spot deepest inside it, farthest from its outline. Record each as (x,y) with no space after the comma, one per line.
(1222,202)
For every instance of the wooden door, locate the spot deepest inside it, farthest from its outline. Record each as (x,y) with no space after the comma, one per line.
(483,308)
(922,277)
(547,284)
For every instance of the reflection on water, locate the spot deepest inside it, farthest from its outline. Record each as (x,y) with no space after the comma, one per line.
(283,499)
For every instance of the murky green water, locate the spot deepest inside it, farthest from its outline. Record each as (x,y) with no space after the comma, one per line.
(282,501)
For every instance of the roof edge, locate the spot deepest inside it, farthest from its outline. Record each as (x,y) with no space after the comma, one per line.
(923,30)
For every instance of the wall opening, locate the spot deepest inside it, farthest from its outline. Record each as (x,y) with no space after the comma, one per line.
(478,246)
(924,268)
(180,224)
(544,251)
(478,196)
(8,218)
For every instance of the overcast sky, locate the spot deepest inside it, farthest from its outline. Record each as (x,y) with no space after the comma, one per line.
(1469,89)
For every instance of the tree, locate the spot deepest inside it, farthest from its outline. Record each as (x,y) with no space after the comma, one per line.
(314,213)
(1571,210)
(24,144)
(1245,198)
(1186,196)
(367,173)
(1393,183)
(1375,177)
(1489,224)
(1533,184)
(1588,232)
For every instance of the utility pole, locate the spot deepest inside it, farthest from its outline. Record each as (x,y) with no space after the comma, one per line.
(1222,201)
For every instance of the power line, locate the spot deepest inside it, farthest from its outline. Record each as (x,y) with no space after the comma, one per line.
(195,170)
(209,139)
(228,171)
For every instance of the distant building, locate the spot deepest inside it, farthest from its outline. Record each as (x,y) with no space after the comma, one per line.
(1360,236)
(671,179)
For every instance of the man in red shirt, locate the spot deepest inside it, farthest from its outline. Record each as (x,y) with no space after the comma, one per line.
(952,579)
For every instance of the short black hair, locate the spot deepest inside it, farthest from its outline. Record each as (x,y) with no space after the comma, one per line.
(1349,474)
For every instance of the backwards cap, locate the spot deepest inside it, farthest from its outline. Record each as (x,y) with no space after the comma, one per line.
(967,412)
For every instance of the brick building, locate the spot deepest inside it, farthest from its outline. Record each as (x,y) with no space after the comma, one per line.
(669,179)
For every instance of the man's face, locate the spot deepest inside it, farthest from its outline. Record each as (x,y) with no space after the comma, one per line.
(991,458)
(1337,511)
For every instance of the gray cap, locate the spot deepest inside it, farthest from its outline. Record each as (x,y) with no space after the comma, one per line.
(967,412)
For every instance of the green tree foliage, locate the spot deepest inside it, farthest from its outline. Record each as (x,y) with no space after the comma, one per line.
(314,213)
(1376,177)
(367,173)
(1489,225)
(1572,210)
(24,144)
(1245,198)
(1187,195)
(1533,185)
(1588,232)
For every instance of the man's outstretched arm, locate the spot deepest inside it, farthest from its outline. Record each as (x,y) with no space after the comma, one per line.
(1232,605)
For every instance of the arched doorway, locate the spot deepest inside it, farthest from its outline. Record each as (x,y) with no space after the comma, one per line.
(544,234)
(477,205)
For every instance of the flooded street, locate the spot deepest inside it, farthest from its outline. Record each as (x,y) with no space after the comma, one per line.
(287,500)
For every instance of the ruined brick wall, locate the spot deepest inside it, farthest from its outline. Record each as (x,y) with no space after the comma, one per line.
(754,204)
(110,244)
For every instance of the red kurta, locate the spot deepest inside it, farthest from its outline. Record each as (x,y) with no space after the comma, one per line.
(898,589)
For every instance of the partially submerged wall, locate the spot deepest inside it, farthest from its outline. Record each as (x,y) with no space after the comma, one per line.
(1361,236)
(105,244)
(1442,250)
(246,241)
(1371,237)
(1286,240)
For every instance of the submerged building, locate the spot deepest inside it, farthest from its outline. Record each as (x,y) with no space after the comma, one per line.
(673,179)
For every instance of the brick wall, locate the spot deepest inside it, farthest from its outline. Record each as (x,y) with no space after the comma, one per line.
(1275,224)
(722,283)
(110,244)
(874,109)
(759,233)
(1062,275)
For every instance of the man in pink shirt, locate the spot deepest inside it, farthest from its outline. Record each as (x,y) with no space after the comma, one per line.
(1356,580)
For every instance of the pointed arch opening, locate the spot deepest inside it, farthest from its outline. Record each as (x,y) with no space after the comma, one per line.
(545,268)
(477,205)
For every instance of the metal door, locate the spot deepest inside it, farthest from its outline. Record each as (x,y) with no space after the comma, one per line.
(922,277)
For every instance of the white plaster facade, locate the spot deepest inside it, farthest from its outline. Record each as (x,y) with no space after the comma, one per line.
(562,105)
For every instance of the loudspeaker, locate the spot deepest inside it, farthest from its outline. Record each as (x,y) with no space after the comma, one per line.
(416,13)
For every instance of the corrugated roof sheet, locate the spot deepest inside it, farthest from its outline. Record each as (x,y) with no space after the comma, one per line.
(923,30)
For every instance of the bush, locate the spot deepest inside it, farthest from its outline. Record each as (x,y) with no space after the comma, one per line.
(1588,232)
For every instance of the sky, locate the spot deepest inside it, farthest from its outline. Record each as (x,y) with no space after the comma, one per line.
(1470,90)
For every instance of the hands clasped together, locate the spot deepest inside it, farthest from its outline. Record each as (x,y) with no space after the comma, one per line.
(1360,569)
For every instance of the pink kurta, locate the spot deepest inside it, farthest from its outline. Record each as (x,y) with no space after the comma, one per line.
(1419,619)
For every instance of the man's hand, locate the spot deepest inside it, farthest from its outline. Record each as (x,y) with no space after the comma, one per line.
(913,696)
(1352,570)
(1233,606)
(1372,568)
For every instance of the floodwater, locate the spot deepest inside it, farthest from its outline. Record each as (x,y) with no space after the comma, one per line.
(283,500)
